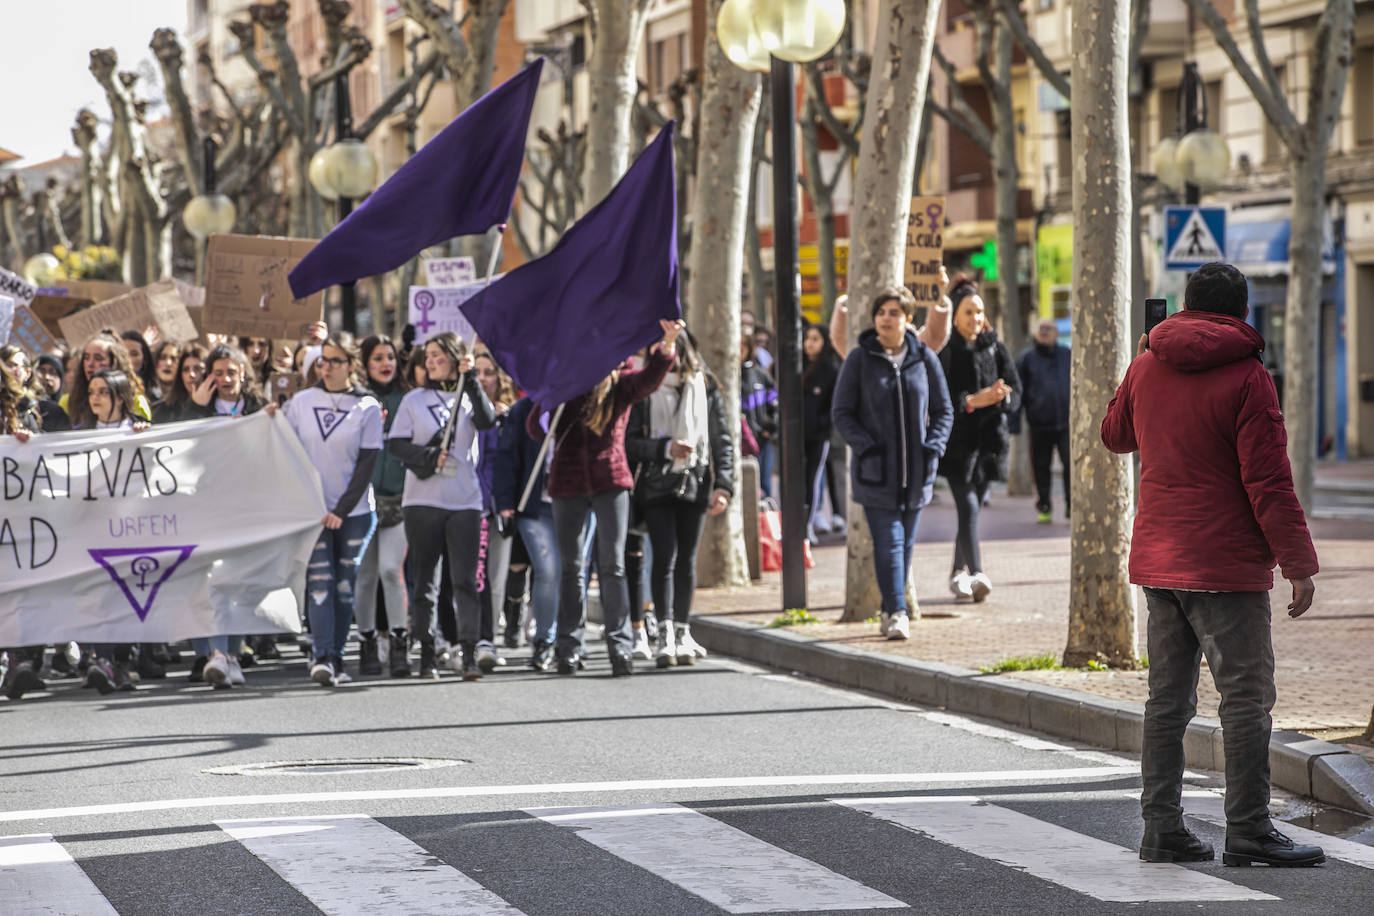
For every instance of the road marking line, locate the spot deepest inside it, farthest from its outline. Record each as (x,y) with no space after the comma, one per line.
(732,869)
(40,878)
(351,864)
(1212,810)
(1031,777)
(1047,851)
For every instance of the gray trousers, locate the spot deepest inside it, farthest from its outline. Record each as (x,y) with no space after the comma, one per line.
(612,510)
(1232,629)
(429,530)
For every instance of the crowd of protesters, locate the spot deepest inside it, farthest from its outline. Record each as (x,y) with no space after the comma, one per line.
(453,533)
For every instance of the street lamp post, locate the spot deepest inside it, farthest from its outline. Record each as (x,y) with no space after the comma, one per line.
(1199,157)
(772,35)
(210,213)
(344,171)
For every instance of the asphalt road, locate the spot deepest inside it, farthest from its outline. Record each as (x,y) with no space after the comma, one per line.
(711,789)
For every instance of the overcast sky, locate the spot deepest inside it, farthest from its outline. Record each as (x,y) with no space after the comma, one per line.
(44,72)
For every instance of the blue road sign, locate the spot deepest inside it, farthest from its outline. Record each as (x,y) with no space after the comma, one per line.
(1193,236)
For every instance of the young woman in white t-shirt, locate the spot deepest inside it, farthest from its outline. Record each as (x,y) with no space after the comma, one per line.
(340,424)
(443,506)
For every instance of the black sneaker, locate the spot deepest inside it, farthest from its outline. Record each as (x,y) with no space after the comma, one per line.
(265,647)
(1175,846)
(429,663)
(369,661)
(21,679)
(1273,849)
(122,679)
(197,675)
(571,663)
(400,654)
(470,670)
(541,657)
(622,664)
(100,675)
(148,669)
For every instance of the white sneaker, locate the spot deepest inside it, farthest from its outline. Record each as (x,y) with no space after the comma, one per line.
(641,648)
(216,672)
(666,656)
(685,641)
(236,673)
(961,585)
(487,659)
(321,673)
(979,586)
(837,525)
(884,623)
(900,627)
(453,659)
(342,677)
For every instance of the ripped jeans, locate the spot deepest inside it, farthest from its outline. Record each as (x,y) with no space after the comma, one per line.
(330,582)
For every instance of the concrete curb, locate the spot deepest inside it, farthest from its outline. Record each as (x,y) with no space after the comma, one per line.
(1316,769)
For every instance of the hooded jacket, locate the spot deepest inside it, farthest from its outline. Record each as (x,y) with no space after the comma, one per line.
(1217,506)
(897,422)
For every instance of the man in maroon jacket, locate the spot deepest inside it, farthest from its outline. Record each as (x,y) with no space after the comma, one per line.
(1217,511)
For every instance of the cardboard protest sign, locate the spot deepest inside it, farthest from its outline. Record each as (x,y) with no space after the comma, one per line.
(925,249)
(28,332)
(6,318)
(247,292)
(450,271)
(96,290)
(158,304)
(16,287)
(434,310)
(50,308)
(193,296)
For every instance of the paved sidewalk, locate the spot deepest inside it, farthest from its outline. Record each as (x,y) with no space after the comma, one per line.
(1325,660)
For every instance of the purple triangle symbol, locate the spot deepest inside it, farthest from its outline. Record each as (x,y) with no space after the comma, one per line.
(328,420)
(143,574)
(440,414)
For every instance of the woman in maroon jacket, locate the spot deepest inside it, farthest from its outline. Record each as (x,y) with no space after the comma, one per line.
(589,474)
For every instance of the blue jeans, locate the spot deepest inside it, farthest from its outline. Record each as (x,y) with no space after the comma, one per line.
(611,509)
(331,581)
(894,535)
(229,645)
(767,459)
(541,543)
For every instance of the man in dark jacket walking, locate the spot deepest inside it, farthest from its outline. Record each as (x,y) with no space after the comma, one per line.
(1217,510)
(1044,371)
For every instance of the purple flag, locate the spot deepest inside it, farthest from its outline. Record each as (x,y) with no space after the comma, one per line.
(561,323)
(460,183)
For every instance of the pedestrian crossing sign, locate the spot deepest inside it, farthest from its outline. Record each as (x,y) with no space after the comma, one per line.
(1193,236)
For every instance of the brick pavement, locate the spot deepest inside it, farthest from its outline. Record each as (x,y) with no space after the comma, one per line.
(1324,661)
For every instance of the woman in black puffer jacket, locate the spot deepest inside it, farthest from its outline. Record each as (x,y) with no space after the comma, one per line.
(680,439)
(985,389)
(819,373)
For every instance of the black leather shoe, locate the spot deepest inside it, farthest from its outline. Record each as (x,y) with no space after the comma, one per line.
(1273,849)
(571,663)
(1174,846)
(622,665)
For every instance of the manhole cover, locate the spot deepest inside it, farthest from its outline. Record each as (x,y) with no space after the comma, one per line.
(334,766)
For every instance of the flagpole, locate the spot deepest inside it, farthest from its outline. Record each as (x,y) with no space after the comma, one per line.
(539,462)
(451,425)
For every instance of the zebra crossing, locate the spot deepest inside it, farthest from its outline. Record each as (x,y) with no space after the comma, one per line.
(768,857)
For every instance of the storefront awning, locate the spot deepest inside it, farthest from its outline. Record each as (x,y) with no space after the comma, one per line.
(1260,247)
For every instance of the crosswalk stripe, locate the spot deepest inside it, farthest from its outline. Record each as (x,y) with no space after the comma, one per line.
(352,864)
(730,868)
(1212,810)
(1056,854)
(40,878)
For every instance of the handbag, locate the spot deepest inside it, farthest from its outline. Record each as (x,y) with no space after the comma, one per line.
(389,512)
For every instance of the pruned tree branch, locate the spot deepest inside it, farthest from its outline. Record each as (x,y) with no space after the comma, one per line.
(960,113)
(1023,37)
(393,98)
(1274,105)
(815,87)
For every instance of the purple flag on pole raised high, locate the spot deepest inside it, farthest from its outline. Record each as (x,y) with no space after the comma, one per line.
(561,323)
(460,183)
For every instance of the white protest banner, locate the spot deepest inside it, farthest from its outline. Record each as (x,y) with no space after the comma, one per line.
(434,310)
(192,529)
(6,318)
(450,271)
(15,286)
